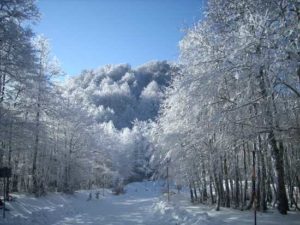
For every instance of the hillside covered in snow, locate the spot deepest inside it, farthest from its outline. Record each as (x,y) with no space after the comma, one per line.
(120,93)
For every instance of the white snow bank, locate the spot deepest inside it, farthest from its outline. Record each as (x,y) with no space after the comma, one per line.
(180,211)
(28,210)
(171,213)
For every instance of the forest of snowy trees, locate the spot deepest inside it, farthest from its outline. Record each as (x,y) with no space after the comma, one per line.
(65,136)
(224,121)
(230,122)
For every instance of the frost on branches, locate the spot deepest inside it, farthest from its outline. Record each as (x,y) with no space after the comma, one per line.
(235,107)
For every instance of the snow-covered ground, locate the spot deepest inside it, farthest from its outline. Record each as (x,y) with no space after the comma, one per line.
(180,211)
(143,203)
(134,207)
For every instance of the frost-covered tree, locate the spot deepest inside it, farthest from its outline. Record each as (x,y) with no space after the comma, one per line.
(41,93)
(16,63)
(122,94)
(16,60)
(236,99)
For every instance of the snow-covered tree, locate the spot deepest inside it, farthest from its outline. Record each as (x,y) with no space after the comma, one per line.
(237,93)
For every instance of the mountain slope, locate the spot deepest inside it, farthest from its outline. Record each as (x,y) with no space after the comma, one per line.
(121,94)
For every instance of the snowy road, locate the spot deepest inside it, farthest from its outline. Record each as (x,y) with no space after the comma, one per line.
(142,204)
(133,208)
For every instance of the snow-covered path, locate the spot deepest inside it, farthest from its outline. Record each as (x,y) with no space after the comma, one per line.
(132,208)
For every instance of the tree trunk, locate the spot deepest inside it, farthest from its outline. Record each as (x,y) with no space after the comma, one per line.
(35,186)
(204,193)
(35,152)
(237,183)
(9,157)
(218,190)
(283,206)
(191,194)
(227,198)
(195,191)
(253,193)
(211,190)
(263,202)
(245,177)
(259,178)
(277,152)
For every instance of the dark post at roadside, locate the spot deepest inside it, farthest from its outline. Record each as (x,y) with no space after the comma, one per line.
(5,173)
(3,198)
(168,185)
(168,182)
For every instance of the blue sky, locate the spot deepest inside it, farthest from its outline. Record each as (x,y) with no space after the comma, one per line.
(86,34)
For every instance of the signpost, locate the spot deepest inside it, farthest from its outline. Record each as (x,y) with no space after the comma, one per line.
(5,173)
(168,181)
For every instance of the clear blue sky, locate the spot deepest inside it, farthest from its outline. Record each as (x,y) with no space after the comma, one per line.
(86,34)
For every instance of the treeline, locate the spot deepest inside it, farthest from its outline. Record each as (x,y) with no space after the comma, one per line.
(64,136)
(44,137)
(230,125)
(122,94)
